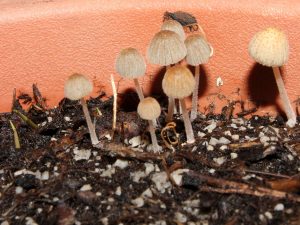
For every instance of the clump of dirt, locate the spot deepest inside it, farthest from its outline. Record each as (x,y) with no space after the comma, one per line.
(239,171)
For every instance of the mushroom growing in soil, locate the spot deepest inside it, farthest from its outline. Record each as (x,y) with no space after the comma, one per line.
(198,52)
(76,88)
(166,48)
(179,83)
(149,109)
(270,48)
(173,25)
(130,64)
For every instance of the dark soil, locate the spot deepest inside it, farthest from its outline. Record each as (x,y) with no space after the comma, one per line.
(239,171)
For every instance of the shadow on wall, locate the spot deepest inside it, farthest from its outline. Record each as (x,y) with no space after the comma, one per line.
(262,87)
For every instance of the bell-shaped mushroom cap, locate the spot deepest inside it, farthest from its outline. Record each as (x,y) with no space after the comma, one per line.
(166,48)
(77,86)
(178,82)
(269,47)
(198,50)
(130,63)
(173,25)
(149,108)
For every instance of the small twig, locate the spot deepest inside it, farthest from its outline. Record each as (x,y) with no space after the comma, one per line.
(16,136)
(38,97)
(114,122)
(25,119)
(226,186)
(99,112)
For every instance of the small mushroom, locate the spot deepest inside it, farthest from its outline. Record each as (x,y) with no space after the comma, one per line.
(179,82)
(149,109)
(198,52)
(270,48)
(130,64)
(166,48)
(76,88)
(173,25)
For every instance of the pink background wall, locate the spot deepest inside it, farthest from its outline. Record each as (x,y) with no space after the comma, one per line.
(43,42)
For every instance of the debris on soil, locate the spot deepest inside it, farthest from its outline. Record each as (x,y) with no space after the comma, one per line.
(238,171)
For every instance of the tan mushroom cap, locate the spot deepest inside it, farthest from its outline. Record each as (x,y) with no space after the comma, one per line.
(173,25)
(198,50)
(269,47)
(149,109)
(166,48)
(77,86)
(178,82)
(130,63)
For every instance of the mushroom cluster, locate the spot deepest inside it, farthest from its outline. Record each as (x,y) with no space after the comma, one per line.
(171,48)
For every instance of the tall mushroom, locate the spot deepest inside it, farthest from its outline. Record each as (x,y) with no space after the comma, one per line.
(198,52)
(179,82)
(76,88)
(149,109)
(270,47)
(130,64)
(166,48)
(173,25)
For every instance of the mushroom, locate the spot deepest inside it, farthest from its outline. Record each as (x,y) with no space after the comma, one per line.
(179,82)
(173,25)
(76,88)
(166,48)
(198,52)
(130,64)
(149,109)
(270,48)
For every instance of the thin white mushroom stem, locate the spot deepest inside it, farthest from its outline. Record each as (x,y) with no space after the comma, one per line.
(171,104)
(194,110)
(138,89)
(90,125)
(156,147)
(187,123)
(292,119)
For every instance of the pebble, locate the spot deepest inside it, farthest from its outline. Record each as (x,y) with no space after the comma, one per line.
(108,137)
(138,202)
(30,221)
(137,175)
(213,141)
(147,193)
(235,137)
(5,223)
(86,187)
(149,168)
(224,141)
(239,121)
(66,118)
(177,175)
(228,133)
(179,217)
(19,190)
(45,175)
(83,154)
(201,134)
(279,207)
(242,129)
(122,164)
(212,171)
(234,126)
(49,118)
(118,191)
(220,160)
(108,172)
(135,141)
(211,127)
(233,155)
(223,147)
(161,181)
(290,157)
(210,148)
(269,215)
(264,139)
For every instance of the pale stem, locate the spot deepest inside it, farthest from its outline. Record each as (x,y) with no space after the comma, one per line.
(90,125)
(195,94)
(292,119)
(187,123)
(170,109)
(138,89)
(156,147)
